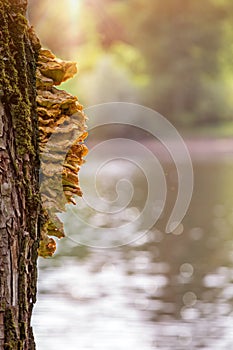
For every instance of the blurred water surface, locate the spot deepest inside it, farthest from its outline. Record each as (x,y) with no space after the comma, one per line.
(163,291)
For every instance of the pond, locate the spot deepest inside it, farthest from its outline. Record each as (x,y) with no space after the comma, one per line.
(158,291)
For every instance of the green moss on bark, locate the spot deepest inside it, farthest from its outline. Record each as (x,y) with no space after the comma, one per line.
(14,82)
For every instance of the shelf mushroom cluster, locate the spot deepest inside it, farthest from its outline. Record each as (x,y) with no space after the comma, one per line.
(62,132)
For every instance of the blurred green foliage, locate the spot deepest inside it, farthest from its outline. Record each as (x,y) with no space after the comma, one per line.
(175,56)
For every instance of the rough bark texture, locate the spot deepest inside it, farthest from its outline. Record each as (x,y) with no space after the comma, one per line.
(19,164)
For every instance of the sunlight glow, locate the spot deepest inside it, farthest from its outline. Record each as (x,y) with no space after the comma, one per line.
(73,6)
(74,13)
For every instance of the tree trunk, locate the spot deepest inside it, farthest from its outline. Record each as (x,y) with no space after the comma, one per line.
(19,180)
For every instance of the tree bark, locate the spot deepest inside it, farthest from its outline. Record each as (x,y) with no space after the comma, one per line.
(19,180)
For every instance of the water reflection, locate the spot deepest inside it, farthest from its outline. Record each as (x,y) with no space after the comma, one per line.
(164,291)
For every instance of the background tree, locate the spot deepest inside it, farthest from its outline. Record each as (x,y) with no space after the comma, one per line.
(184,43)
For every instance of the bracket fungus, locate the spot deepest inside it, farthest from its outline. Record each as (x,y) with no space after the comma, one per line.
(61,119)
